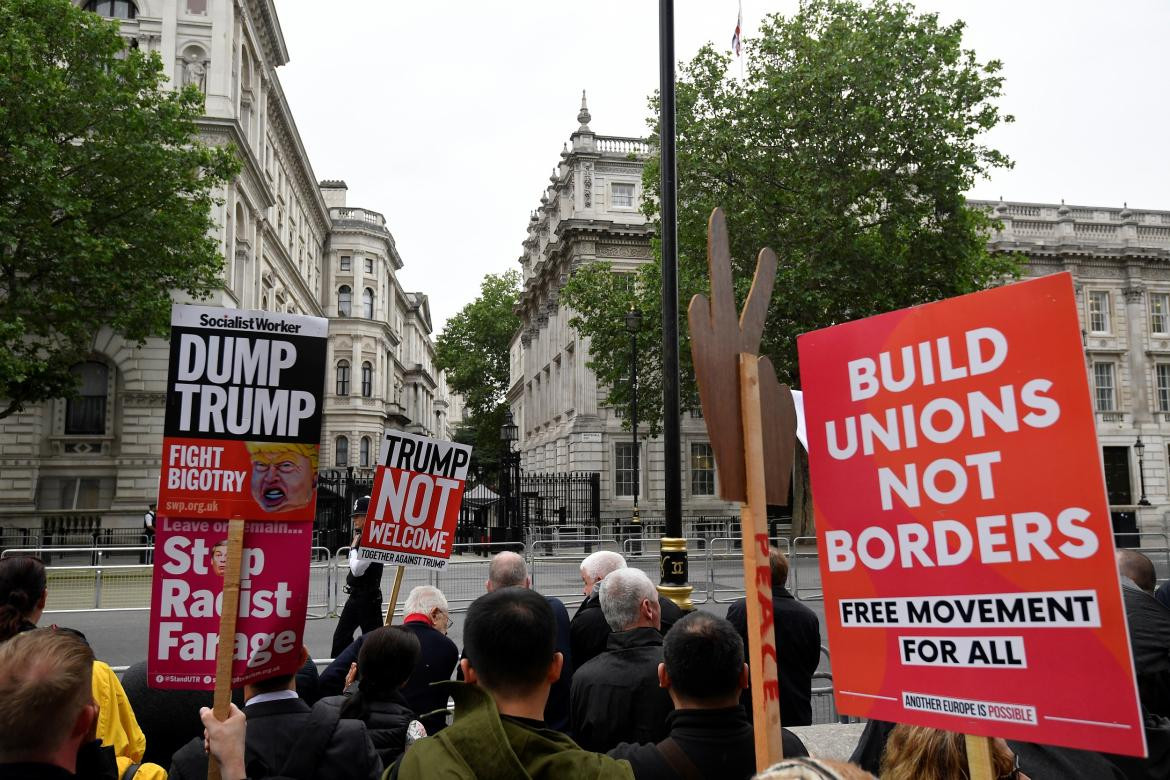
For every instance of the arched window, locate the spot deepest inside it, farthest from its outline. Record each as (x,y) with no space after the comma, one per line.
(364,452)
(368,303)
(344,299)
(367,379)
(343,377)
(115,9)
(341,452)
(85,414)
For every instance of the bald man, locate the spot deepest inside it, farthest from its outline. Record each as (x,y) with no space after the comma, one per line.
(508,570)
(1149,630)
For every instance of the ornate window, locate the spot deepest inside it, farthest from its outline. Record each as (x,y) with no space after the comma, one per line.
(368,303)
(369,265)
(114,9)
(346,263)
(702,469)
(1162,382)
(367,379)
(1160,313)
(1099,311)
(344,300)
(341,451)
(85,414)
(343,377)
(1104,393)
(625,455)
(622,195)
(364,452)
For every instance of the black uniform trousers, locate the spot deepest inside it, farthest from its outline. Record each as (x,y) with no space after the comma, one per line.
(363,609)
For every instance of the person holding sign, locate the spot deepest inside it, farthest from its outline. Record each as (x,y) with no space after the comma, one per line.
(363,608)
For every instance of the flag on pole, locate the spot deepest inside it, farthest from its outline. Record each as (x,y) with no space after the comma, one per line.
(736,44)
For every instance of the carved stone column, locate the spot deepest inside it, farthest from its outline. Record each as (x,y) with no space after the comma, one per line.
(1135,320)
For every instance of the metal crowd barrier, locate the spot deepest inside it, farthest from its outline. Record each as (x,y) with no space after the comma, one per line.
(725,560)
(805,548)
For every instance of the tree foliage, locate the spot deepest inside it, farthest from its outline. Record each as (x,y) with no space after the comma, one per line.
(473,350)
(105,194)
(847,148)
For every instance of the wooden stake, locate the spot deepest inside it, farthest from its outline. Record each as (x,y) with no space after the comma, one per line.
(225,650)
(979,757)
(757,574)
(394,595)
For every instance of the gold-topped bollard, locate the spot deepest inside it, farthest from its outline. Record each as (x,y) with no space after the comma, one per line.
(674,572)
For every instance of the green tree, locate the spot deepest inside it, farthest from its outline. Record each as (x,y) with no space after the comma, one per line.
(106,194)
(473,350)
(847,148)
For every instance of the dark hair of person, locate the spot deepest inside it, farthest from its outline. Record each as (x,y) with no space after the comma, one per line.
(22,582)
(273,684)
(704,657)
(778,562)
(509,639)
(1138,568)
(385,662)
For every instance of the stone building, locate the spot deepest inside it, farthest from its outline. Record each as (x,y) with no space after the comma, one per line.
(1120,262)
(590,211)
(289,245)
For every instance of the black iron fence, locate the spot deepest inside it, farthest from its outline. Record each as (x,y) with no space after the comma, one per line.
(573,498)
(336,492)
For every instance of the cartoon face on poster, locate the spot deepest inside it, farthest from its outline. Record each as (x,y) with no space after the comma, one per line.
(964,533)
(187,599)
(243,419)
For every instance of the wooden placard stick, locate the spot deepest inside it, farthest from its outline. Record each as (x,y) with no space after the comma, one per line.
(229,611)
(757,573)
(979,757)
(394,595)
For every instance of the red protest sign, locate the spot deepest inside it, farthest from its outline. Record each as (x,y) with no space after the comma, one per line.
(243,419)
(965,540)
(186,601)
(414,508)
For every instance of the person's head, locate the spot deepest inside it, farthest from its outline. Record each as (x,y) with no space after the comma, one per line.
(22,593)
(778,563)
(1139,568)
(507,570)
(430,601)
(703,664)
(46,699)
(596,566)
(358,514)
(509,643)
(219,556)
(386,661)
(152,506)
(921,753)
(284,475)
(629,600)
(281,682)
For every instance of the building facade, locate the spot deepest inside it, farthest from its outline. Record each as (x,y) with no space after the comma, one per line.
(1119,259)
(289,245)
(589,212)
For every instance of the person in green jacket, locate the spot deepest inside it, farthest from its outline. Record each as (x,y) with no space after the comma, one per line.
(509,666)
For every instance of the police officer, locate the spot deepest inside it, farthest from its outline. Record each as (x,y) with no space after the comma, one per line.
(363,608)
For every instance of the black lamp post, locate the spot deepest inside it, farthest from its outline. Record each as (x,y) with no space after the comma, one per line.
(633,325)
(509,475)
(1140,448)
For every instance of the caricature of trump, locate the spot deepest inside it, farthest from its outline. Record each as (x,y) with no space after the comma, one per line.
(284,476)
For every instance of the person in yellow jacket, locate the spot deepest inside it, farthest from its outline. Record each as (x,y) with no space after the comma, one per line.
(118,728)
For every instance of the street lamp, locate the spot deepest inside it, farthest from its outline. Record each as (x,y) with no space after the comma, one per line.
(633,325)
(509,472)
(1140,448)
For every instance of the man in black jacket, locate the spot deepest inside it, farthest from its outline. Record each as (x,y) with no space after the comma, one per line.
(1149,630)
(363,583)
(710,734)
(616,697)
(798,645)
(588,631)
(286,738)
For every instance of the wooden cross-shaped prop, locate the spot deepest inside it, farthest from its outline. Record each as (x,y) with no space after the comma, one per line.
(751,421)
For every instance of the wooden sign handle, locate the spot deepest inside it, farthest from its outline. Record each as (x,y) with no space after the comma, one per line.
(394,595)
(979,757)
(229,611)
(757,573)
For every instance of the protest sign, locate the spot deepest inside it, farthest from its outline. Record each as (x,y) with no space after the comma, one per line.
(243,419)
(965,541)
(189,563)
(414,507)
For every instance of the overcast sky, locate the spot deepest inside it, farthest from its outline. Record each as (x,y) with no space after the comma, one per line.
(448,116)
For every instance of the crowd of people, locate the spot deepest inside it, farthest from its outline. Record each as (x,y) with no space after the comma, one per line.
(629,687)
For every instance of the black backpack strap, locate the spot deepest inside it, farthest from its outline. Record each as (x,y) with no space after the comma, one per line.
(131,771)
(679,761)
(311,742)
